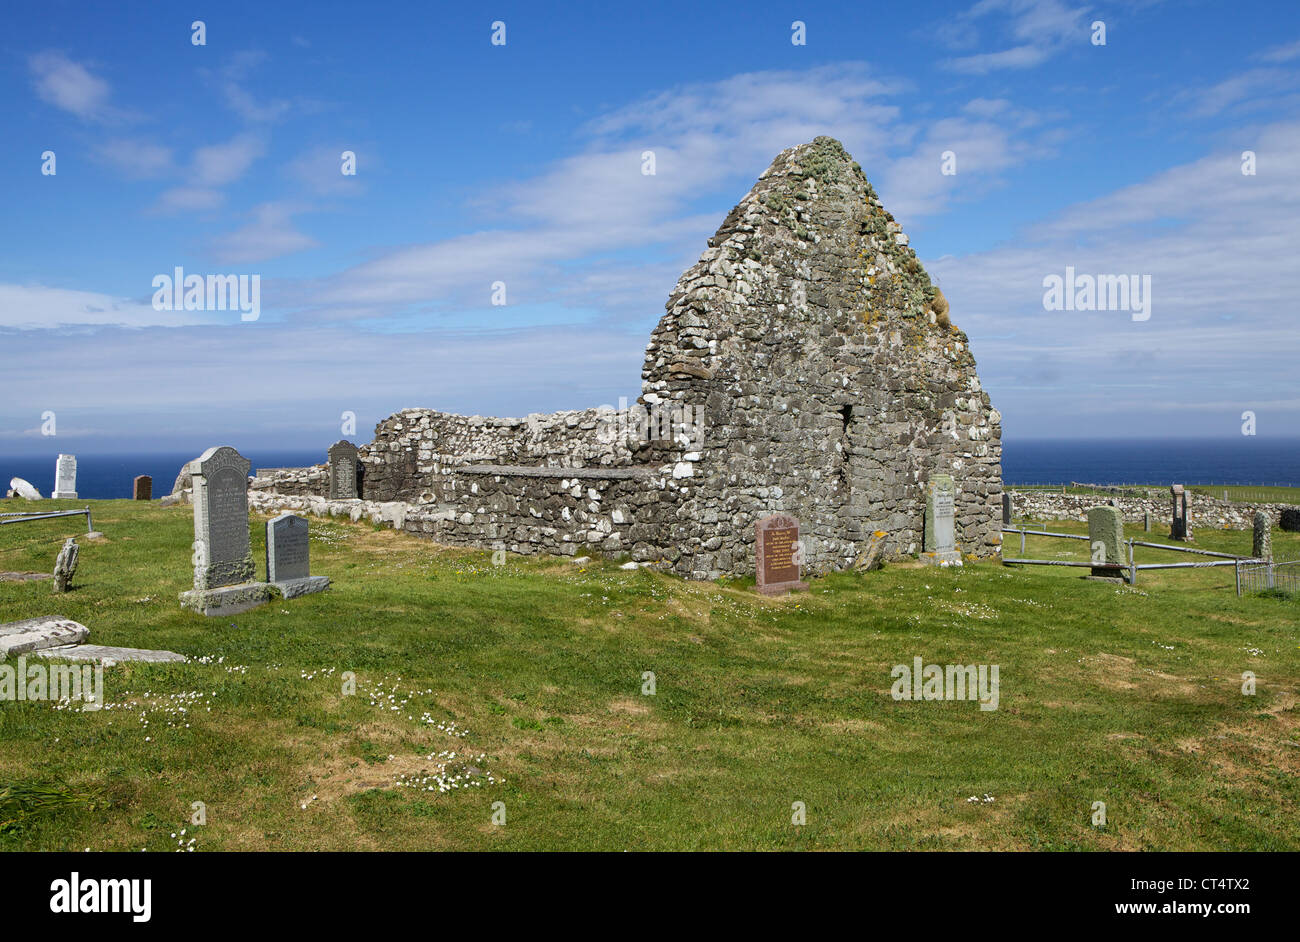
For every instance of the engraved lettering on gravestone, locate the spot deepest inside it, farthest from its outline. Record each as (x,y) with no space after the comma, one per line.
(342,470)
(287,548)
(778,554)
(65,477)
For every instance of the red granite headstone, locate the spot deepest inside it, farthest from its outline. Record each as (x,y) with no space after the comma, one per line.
(777,554)
(143,488)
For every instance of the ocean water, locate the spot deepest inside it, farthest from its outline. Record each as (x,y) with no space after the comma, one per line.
(1241,460)
(103,477)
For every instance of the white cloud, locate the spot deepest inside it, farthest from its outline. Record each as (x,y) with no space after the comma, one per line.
(27,307)
(219,164)
(69,85)
(270,235)
(135,158)
(1041,27)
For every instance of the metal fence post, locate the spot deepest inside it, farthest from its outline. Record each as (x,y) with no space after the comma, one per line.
(1237,569)
(89,527)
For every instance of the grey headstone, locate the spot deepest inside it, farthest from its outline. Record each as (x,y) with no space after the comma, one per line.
(1179,528)
(343,471)
(940,521)
(65,566)
(287,548)
(223,561)
(32,634)
(1105,540)
(1007,508)
(288,565)
(1262,545)
(221,547)
(65,477)
(142,487)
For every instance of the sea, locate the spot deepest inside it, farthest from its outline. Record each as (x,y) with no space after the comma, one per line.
(1242,460)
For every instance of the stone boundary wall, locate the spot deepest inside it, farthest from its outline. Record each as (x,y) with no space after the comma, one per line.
(528,515)
(1205,512)
(292,481)
(417,454)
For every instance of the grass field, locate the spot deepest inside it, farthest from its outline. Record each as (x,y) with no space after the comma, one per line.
(532,674)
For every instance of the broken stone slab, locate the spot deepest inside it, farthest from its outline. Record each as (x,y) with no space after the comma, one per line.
(108,656)
(20,488)
(65,566)
(24,576)
(870,558)
(34,634)
(226,600)
(292,588)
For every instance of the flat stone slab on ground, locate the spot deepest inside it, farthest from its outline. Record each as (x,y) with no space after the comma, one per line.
(292,588)
(24,576)
(227,600)
(103,654)
(32,634)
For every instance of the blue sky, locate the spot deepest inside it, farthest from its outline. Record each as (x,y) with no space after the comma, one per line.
(520,163)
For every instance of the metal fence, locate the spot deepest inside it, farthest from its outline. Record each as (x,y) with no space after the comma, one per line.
(26,516)
(1127,570)
(1261,576)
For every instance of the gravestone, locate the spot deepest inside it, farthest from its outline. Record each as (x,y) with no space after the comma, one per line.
(870,559)
(142,488)
(1146,521)
(1181,528)
(223,561)
(31,634)
(1106,541)
(65,566)
(1007,508)
(940,522)
(343,471)
(20,488)
(65,477)
(1290,521)
(1262,545)
(288,566)
(777,554)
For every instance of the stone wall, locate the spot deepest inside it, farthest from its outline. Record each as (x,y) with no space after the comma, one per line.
(1204,511)
(292,481)
(805,364)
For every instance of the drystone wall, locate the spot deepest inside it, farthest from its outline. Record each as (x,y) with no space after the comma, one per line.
(805,365)
(1204,511)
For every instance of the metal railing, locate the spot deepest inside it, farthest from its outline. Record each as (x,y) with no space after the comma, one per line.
(1132,567)
(1265,575)
(26,516)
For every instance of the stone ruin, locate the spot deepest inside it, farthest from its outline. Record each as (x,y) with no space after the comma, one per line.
(805,366)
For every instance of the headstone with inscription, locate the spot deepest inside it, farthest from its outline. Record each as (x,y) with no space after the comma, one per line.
(223,561)
(778,554)
(343,471)
(65,477)
(1105,542)
(142,488)
(288,566)
(940,522)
